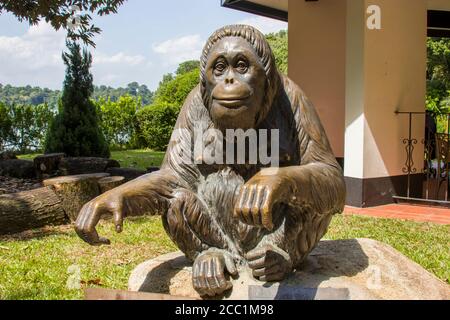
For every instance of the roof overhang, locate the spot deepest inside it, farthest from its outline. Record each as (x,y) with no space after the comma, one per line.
(438,12)
(275,9)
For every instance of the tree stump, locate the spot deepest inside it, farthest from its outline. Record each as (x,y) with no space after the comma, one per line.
(30,209)
(109,183)
(75,191)
(83,165)
(47,164)
(16,168)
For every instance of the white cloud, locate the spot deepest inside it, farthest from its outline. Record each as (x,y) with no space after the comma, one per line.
(265,25)
(175,51)
(119,58)
(35,58)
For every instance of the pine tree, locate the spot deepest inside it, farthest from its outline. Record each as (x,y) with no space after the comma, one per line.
(75,130)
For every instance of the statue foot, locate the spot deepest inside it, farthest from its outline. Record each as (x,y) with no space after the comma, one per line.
(269,263)
(208,272)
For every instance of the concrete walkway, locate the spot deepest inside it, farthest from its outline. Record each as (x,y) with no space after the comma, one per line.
(404,211)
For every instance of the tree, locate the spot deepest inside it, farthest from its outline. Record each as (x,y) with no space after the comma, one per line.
(117,118)
(60,14)
(5,125)
(187,66)
(30,125)
(175,90)
(75,130)
(279,44)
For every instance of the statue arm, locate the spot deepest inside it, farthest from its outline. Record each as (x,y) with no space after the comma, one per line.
(318,181)
(316,184)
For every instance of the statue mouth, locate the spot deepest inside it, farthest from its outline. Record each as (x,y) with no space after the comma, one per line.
(231,102)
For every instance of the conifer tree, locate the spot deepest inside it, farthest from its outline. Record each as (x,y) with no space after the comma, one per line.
(75,130)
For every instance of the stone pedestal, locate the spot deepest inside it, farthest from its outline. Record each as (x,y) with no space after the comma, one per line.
(342,269)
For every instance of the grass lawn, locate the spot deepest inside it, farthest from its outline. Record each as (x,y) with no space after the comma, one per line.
(38,264)
(139,159)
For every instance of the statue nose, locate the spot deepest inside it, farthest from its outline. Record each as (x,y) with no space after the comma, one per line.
(229,80)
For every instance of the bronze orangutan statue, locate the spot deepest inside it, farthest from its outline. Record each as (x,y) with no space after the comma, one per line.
(221,215)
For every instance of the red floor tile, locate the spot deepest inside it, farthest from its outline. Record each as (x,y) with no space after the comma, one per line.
(404,211)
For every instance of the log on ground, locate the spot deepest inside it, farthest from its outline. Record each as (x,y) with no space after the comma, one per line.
(30,209)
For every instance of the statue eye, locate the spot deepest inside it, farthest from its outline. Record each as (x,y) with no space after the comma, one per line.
(242,66)
(220,67)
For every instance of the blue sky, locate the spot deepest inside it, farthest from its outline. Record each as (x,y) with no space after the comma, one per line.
(145,40)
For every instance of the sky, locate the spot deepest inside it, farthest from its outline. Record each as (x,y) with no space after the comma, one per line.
(143,41)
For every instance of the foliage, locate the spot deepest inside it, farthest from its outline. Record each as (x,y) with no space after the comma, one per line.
(174,90)
(59,14)
(36,265)
(116,120)
(187,66)
(30,124)
(438,75)
(36,95)
(154,125)
(23,127)
(5,125)
(75,130)
(133,89)
(279,44)
(29,95)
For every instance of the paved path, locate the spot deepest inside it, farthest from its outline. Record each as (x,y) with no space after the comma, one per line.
(404,211)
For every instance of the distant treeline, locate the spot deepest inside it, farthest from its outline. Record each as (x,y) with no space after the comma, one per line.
(35,95)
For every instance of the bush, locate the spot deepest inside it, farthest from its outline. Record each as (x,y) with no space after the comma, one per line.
(154,126)
(116,120)
(5,125)
(23,127)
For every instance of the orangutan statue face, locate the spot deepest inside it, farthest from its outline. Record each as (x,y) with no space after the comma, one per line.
(235,84)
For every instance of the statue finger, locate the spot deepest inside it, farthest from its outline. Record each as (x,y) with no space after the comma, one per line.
(230,265)
(256,207)
(118,218)
(266,214)
(246,210)
(256,253)
(86,212)
(266,270)
(273,277)
(240,203)
(257,263)
(212,285)
(198,279)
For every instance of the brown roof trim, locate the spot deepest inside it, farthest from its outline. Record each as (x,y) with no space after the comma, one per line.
(255,8)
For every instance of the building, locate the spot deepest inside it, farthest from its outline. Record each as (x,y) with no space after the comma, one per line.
(360,62)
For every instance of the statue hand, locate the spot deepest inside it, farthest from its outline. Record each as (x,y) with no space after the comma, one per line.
(257,198)
(269,263)
(208,272)
(109,203)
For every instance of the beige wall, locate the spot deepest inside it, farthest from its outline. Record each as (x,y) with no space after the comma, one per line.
(385,72)
(317,61)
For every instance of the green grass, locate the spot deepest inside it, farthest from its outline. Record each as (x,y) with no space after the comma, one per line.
(139,159)
(36,265)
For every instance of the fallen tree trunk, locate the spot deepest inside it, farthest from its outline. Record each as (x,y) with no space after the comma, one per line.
(79,165)
(30,209)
